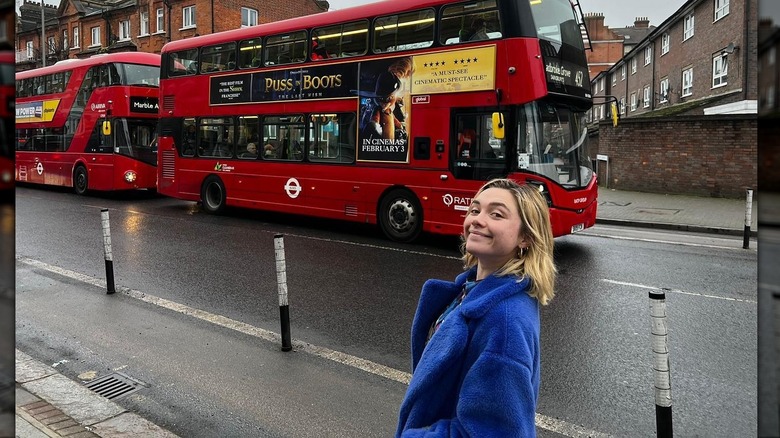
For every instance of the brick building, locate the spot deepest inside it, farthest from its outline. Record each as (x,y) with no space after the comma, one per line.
(687,96)
(78,29)
(610,44)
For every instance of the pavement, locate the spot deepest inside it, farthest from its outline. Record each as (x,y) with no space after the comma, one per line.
(48,404)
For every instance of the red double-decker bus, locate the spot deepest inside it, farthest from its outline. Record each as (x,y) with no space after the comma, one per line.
(6,123)
(90,124)
(391,113)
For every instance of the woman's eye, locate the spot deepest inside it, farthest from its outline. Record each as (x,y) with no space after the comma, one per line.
(496,214)
(474,211)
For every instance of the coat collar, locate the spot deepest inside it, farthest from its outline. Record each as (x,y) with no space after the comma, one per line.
(490,291)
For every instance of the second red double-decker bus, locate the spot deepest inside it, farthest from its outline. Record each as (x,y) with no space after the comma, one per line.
(6,123)
(89,123)
(393,113)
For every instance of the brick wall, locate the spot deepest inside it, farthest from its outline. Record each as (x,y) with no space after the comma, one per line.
(691,155)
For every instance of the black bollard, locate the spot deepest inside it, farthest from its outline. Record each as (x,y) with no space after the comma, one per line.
(748,213)
(662,377)
(107,252)
(281,282)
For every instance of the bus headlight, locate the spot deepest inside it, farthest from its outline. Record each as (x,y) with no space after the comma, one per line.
(130,176)
(6,177)
(542,189)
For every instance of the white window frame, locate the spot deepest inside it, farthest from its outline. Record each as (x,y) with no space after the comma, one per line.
(770,97)
(251,15)
(601,87)
(720,70)
(160,20)
(124,30)
(688,26)
(30,50)
(687,82)
(614,78)
(188,17)
(646,97)
(633,65)
(95,32)
(51,44)
(623,105)
(65,39)
(623,72)
(633,102)
(721,9)
(648,54)
(76,38)
(664,89)
(144,23)
(665,41)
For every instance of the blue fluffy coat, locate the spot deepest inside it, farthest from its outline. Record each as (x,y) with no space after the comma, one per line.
(478,375)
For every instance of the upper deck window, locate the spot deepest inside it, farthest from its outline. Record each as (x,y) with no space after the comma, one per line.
(250,53)
(340,41)
(555,21)
(412,30)
(219,57)
(137,74)
(184,62)
(472,21)
(287,48)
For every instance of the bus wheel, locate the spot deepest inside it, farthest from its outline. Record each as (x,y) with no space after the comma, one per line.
(212,193)
(400,216)
(80,181)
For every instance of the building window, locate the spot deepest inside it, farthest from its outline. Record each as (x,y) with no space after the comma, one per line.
(623,72)
(614,78)
(75,37)
(646,97)
(124,30)
(721,9)
(30,50)
(688,26)
(648,54)
(65,39)
(95,36)
(770,97)
(633,101)
(622,105)
(160,25)
(664,87)
(248,17)
(665,44)
(602,84)
(633,65)
(687,82)
(144,23)
(720,70)
(52,45)
(188,16)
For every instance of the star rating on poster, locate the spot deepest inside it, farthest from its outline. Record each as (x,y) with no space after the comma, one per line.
(466,61)
(462,61)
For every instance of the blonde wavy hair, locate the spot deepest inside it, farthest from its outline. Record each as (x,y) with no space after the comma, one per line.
(536,262)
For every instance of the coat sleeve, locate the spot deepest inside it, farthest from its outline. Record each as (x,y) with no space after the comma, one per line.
(496,400)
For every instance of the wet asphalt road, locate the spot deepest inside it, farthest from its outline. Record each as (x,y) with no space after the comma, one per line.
(352,291)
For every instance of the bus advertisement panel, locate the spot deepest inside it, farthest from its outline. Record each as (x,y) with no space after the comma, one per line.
(90,124)
(391,113)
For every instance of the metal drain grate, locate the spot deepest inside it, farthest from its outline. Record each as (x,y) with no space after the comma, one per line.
(116,385)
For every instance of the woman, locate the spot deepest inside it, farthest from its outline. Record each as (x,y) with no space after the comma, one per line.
(475,341)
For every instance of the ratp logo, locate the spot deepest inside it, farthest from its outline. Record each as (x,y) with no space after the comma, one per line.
(456,202)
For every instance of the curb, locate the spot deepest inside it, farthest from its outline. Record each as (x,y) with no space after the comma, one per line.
(58,406)
(675,227)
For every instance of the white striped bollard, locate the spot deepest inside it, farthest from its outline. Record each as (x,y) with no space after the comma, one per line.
(661,372)
(107,252)
(281,283)
(748,213)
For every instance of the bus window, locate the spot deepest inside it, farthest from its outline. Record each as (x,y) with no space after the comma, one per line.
(556,21)
(339,41)
(412,30)
(248,133)
(137,74)
(189,138)
(472,21)
(477,153)
(184,62)
(331,138)
(283,138)
(250,53)
(286,48)
(218,58)
(215,137)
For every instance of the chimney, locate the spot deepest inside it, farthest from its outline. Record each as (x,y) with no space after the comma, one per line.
(641,23)
(594,20)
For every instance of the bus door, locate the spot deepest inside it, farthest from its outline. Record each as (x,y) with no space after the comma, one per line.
(475,157)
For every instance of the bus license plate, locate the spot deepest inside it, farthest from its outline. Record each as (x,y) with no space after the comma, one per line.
(578,227)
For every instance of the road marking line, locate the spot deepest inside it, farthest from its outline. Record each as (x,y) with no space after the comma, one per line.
(676,291)
(554,425)
(754,246)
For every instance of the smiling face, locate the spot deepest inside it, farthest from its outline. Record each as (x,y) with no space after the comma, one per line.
(492,229)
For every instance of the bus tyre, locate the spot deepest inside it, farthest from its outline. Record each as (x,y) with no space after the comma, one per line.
(400,216)
(80,180)
(212,194)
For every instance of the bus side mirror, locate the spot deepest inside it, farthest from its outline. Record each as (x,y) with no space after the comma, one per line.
(498,126)
(106,127)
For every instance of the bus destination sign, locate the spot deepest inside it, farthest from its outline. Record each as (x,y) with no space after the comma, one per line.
(148,105)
